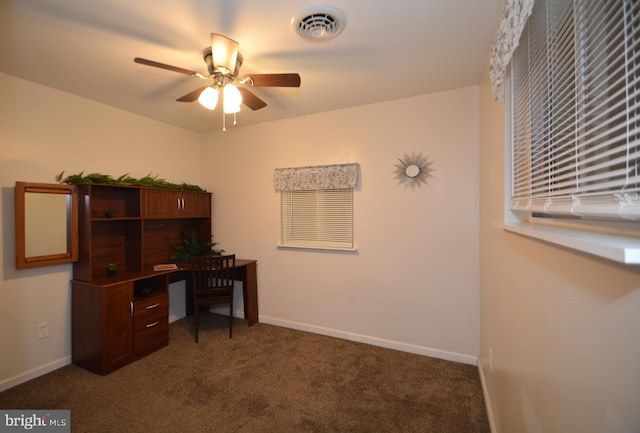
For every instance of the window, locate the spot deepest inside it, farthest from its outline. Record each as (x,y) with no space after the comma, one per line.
(318,218)
(575,107)
(573,69)
(317,205)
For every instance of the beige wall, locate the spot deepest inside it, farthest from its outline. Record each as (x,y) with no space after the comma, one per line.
(563,327)
(42,133)
(413,284)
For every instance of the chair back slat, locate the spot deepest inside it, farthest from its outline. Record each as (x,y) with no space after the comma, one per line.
(213,272)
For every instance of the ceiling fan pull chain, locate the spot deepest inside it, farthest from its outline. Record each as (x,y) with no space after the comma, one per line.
(234,119)
(224,126)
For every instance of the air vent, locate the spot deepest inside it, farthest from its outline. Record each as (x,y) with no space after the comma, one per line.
(318,24)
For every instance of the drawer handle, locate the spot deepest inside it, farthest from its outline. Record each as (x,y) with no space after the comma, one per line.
(152,306)
(151,325)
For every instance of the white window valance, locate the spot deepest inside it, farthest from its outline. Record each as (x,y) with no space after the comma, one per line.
(512,21)
(338,176)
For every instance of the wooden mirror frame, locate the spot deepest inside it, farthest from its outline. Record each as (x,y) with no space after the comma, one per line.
(71,253)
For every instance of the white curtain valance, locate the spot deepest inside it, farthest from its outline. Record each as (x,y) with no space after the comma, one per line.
(337,176)
(514,16)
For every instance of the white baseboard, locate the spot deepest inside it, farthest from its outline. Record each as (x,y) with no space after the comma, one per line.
(32,374)
(487,399)
(374,341)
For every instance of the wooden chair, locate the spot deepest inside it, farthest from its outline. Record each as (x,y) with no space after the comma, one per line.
(213,284)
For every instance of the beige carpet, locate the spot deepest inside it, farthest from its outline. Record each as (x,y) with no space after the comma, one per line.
(265,379)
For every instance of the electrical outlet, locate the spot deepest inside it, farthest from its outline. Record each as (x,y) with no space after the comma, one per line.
(490,359)
(42,330)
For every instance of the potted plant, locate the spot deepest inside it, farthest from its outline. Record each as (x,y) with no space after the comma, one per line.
(192,246)
(112,269)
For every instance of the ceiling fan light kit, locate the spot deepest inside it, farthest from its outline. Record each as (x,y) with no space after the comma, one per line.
(224,52)
(319,23)
(232,99)
(223,62)
(208,98)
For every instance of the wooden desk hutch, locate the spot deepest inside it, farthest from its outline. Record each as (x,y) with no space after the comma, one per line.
(120,318)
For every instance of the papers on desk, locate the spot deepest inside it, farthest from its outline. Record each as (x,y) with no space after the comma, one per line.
(165,267)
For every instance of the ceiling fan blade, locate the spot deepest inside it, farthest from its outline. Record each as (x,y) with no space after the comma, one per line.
(192,96)
(272,80)
(251,100)
(167,67)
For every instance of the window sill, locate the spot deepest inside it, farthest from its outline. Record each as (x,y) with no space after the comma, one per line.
(296,247)
(621,249)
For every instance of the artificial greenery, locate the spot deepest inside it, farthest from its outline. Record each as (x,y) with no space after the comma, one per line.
(192,246)
(105,179)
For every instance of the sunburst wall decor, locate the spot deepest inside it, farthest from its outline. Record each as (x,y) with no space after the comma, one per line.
(413,170)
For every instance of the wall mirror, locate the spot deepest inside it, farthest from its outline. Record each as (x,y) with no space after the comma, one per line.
(46,224)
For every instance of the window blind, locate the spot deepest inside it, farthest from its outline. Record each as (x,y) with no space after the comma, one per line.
(575,110)
(318,218)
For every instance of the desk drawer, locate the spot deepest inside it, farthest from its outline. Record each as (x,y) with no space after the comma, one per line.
(150,323)
(142,307)
(148,311)
(150,319)
(154,337)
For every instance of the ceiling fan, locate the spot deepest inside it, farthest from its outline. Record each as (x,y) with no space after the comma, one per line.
(223,63)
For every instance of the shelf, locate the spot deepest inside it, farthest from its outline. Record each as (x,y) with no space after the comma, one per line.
(116,201)
(155,285)
(118,319)
(106,220)
(140,230)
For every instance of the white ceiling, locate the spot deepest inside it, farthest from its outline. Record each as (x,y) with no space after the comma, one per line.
(388,50)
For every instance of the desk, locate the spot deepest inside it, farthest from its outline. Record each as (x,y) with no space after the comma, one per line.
(245,272)
(111,326)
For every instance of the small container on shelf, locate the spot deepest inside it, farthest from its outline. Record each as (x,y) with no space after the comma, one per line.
(150,286)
